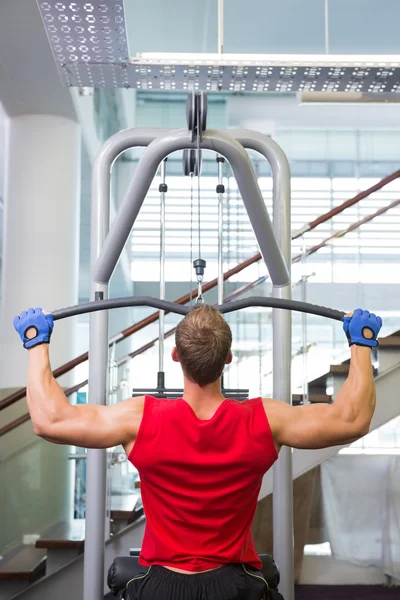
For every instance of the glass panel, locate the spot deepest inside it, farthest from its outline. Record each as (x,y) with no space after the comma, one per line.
(106,112)
(265,26)
(362,27)
(179,26)
(36,486)
(122,491)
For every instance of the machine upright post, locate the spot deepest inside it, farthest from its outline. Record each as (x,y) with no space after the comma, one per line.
(282,359)
(163,188)
(220,192)
(96,474)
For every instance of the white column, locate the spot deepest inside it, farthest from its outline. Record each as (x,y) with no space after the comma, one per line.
(41,233)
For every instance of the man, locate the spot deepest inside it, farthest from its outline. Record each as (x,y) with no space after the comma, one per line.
(201,458)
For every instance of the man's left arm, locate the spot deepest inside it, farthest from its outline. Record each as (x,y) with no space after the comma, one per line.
(85,425)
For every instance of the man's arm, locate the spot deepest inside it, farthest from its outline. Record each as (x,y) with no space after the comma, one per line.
(88,426)
(323,425)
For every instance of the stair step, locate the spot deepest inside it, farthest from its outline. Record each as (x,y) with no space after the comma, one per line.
(312,398)
(127,508)
(70,535)
(342,369)
(317,385)
(28,564)
(393,341)
(394,334)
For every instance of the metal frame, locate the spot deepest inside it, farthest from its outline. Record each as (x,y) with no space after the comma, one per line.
(220,287)
(106,247)
(162,273)
(282,359)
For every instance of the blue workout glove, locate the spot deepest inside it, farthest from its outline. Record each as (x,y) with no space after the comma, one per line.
(354,327)
(36,319)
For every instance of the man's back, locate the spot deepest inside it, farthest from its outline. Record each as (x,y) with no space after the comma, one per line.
(200,481)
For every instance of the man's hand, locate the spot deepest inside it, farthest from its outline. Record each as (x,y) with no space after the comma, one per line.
(362,328)
(34,327)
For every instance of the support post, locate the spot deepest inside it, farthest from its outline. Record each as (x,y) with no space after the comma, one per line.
(282,360)
(96,474)
(220,192)
(282,347)
(163,188)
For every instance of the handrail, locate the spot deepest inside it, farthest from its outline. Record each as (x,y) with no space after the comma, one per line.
(338,209)
(312,249)
(263,278)
(237,292)
(67,367)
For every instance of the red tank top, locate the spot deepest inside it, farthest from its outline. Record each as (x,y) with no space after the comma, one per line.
(200,482)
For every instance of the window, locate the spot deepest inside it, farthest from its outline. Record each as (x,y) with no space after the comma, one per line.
(369,254)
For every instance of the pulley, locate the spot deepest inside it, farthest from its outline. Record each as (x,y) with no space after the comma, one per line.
(190,163)
(196,114)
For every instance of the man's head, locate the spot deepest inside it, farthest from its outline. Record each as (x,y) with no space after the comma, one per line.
(203,345)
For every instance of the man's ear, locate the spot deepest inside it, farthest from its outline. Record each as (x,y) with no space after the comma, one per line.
(229,358)
(174,354)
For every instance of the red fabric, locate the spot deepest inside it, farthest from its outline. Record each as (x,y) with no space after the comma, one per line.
(200,482)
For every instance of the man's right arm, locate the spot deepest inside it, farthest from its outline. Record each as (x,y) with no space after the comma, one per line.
(323,425)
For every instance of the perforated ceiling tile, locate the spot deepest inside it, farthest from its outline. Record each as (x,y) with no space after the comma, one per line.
(90,47)
(145,75)
(83,35)
(261,78)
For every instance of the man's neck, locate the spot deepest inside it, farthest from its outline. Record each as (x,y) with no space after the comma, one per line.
(202,397)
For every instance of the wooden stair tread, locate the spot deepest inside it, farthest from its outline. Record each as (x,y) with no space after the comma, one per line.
(394,334)
(392,341)
(342,369)
(320,382)
(123,507)
(313,398)
(26,565)
(122,515)
(70,535)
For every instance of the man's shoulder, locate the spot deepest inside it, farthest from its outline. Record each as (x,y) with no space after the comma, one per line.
(135,405)
(275,411)
(140,404)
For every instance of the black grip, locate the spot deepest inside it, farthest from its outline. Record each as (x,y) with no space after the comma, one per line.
(88,307)
(269,302)
(312,309)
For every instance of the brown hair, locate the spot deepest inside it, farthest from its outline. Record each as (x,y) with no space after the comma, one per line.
(203,340)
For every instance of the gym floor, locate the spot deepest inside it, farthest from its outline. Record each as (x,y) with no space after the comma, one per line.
(345,592)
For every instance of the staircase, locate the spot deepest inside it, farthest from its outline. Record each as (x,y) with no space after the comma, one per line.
(387,379)
(60,546)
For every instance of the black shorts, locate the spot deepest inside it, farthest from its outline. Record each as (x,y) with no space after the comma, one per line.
(231,582)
